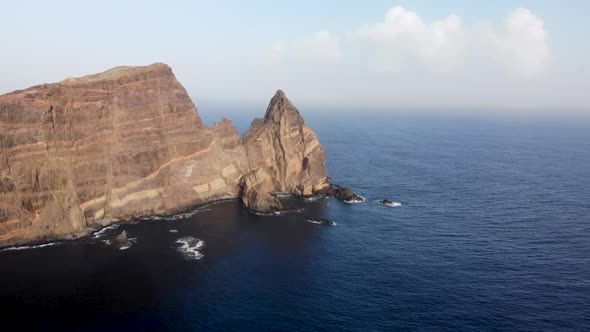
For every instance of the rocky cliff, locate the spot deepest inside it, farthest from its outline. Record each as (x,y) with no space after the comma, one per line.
(284,155)
(129,142)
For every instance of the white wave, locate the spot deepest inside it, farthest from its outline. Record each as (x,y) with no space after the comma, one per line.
(321,221)
(101,232)
(192,252)
(130,242)
(186,214)
(282,195)
(354,201)
(177,216)
(277,213)
(51,244)
(264,214)
(153,218)
(392,204)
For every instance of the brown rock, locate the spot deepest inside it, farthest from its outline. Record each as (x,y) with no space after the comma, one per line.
(122,241)
(128,143)
(284,156)
(341,193)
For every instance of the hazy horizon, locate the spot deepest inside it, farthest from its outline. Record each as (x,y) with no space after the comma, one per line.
(507,56)
(243,113)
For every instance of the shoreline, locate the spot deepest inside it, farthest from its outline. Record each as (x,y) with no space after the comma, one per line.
(90,230)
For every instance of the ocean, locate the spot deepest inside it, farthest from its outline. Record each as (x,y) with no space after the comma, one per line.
(493,234)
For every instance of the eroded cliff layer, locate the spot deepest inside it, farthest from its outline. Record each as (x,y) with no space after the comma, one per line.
(128,143)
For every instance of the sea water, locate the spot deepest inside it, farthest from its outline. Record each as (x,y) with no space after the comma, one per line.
(493,233)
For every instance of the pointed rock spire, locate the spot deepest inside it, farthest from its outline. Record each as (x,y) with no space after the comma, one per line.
(284,156)
(280,106)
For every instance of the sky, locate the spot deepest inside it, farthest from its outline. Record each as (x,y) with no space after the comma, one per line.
(500,55)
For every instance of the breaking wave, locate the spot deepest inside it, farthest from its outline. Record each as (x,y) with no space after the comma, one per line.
(320,221)
(354,200)
(190,247)
(277,213)
(179,216)
(390,203)
(51,244)
(154,218)
(282,195)
(102,232)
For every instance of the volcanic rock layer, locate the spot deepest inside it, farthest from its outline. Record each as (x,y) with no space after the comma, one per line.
(127,143)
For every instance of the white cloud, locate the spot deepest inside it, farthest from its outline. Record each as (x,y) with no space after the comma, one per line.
(406,60)
(321,47)
(523,44)
(403,41)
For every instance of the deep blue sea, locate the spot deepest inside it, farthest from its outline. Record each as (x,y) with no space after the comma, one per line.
(493,234)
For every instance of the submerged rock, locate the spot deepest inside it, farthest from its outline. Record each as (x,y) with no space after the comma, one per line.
(193,242)
(122,241)
(389,203)
(320,221)
(190,247)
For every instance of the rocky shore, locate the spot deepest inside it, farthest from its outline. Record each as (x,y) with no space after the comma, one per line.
(127,143)
(342,193)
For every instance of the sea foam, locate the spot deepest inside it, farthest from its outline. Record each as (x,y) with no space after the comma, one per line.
(392,204)
(190,247)
(101,232)
(51,244)
(179,216)
(353,201)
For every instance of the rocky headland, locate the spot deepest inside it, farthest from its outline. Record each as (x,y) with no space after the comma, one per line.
(127,143)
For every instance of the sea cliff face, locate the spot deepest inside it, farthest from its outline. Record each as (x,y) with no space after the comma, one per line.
(284,155)
(129,142)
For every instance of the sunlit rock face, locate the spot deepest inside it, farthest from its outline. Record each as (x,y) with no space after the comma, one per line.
(128,143)
(284,156)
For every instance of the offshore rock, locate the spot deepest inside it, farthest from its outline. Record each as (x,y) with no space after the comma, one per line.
(320,221)
(122,241)
(341,193)
(129,143)
(388,202)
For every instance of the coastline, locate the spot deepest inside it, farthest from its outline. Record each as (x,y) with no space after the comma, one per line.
(173,167)
(90,231)
(338,192)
